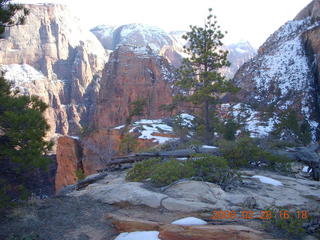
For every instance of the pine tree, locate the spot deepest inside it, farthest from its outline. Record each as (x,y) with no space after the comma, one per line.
(22,144)
(8,17)
(200,80)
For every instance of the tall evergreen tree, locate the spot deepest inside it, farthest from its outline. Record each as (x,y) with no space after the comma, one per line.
(22,132)
(200,79)
(8,17)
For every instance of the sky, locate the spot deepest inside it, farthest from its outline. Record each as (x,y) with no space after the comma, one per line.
(249,20)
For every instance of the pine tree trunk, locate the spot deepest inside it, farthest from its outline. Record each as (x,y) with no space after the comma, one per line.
(207,121)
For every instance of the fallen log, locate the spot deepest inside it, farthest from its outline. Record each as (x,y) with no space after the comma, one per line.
(181,153)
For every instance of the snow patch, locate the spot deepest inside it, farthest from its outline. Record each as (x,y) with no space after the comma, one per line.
(252,119)
(21,74)
(239,50)
(189,221)
(268,180)
(75,137)
(305,169)
(147,235)
(152,130)
(119,127)
(208,147)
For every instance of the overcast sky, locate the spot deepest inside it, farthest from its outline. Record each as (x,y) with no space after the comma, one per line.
(251,20)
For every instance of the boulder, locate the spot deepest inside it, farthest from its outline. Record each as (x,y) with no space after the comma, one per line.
(196,191)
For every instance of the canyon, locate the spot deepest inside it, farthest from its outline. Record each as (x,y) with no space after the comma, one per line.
(91,81)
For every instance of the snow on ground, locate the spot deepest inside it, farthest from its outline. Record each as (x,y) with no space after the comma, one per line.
(186,119)
(208,147)
(147,235)
(75,137)
(20,74)
(143,35)
(149,128)
(275,68)
(153,129)
(182,159)
(252,120)
(189,221)
(119,127)
(268,180)
(305,169)
(240,50)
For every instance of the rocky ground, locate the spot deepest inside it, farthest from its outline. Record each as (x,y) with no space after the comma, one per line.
(85,213)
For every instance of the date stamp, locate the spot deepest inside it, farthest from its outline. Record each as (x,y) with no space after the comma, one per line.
(263,215)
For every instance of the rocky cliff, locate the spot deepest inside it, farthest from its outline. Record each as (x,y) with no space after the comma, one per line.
(284,75)
(53,57)
(132,73)
(169,45)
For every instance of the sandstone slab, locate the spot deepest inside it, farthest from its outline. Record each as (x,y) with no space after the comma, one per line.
(207,232)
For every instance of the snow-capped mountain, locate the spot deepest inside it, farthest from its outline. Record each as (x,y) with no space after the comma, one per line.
(284,75)
(239,53)
(170,45)
(132,34)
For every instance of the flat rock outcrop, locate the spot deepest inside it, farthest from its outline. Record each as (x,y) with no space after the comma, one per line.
(260,190)
(219,232)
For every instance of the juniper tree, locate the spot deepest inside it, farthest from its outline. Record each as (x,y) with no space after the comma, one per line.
(200,80)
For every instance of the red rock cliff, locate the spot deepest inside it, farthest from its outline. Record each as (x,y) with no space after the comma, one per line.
(68,161)
(132,73)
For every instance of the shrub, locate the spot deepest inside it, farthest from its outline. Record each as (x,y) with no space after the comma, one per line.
(290,125)
(168,172)
(244,152)
(230,130)
(213,169)
(80,174)
(142,170)
(200,166)
(128,144)
(291,227)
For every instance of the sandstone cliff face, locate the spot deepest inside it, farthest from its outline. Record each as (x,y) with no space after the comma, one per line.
(68,161)
(283,75)
(70,58)
(311,10)
(133,73)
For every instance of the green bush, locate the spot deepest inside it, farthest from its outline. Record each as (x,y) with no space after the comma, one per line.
(244,152)
(170,171)
(128,144)
(230,129)
(200,166)
(213,169)
(80,174)
(289,122)
(291,227)
(142,170)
